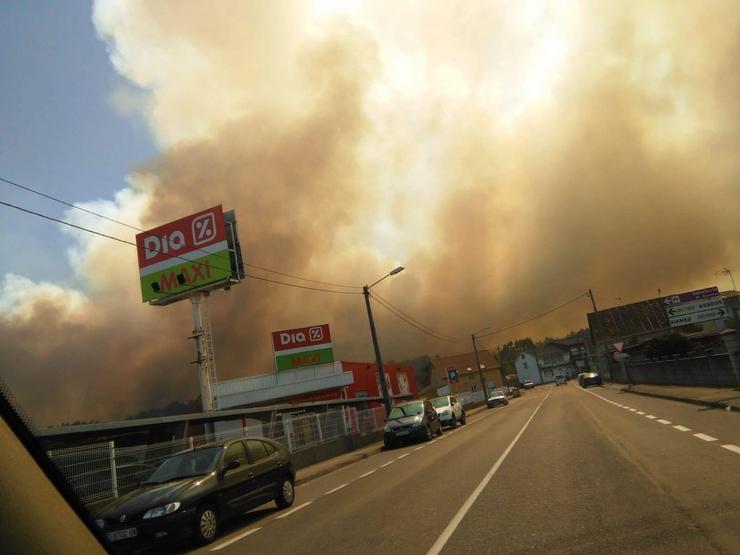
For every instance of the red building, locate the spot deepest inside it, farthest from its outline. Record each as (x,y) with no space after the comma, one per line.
(400,380)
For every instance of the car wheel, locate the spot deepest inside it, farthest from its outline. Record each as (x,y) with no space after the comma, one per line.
(206,524)
(286,495)
(462,420)
(439,432)
(389,444)
(430,435)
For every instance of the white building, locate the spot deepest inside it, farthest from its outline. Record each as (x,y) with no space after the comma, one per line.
(527,368)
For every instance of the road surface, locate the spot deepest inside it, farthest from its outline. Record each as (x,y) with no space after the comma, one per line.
(560,470)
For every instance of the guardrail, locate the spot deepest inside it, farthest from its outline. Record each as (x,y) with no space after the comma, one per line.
(101,471)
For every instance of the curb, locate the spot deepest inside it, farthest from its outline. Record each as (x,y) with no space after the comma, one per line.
(711,404)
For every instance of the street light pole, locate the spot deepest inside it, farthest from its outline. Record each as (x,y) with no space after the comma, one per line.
(480,370)
(378,359)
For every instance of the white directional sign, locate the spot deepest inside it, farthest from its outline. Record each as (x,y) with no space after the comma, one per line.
(696,317)
(695,307)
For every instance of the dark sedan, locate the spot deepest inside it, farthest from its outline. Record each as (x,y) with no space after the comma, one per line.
(591,378)
(410,421)
(191,493)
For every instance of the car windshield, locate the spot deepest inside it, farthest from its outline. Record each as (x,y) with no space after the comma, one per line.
(190,463)
(440,402)
(497,394)
(410,409)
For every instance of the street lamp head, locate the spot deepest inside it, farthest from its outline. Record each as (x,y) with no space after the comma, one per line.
(397,270)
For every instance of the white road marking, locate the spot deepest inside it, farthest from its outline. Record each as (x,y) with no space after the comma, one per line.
(367,473)
(650,416)
(298,508)
(419,448)
(705,437)
(733,448)
(236,539)
(625,407)
(635,410)
(664,421)
(441,437)
(337,488)
(455,522)
(386,464)
(640,413)
(402,456)
(682,428)
(431,442)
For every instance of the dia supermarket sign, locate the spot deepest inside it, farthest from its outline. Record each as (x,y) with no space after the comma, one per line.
(309,346)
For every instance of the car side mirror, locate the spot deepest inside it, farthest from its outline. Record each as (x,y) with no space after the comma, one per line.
(233,465)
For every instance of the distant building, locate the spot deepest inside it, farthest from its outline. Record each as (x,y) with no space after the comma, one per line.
(554,360)
(527,368)
(463,368)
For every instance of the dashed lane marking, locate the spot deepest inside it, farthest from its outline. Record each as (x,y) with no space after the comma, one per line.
(402,456)
(419,448)
(298,508)
(640,413)
(682,428)
(705,437)
(733,448)
(337,488)
(386,464)
(367,473)
(650,416)
(236,539)
(664,421)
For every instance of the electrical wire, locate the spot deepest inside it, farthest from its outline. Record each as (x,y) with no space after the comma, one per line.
(533,318)
(97,214)
(414,320)
(126,242)
(412,324)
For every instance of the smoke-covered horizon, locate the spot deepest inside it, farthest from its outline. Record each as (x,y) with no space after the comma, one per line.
(509,157)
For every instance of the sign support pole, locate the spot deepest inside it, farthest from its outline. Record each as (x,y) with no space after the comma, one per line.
(206,360)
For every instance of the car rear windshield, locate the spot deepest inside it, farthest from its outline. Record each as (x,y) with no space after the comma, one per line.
(440,402)
(411,409)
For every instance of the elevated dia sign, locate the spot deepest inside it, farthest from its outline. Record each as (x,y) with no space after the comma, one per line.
(309,346)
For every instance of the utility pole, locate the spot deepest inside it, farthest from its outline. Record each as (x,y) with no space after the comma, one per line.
(480,371)
(378,359)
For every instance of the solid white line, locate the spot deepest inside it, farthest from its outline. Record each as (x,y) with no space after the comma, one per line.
(298,508)
(650,416)
(236,539)
(455,522)
(402,456)
(682,428)
(664,421)
(705,437)
(640,413)
(419,448)
(386,464)
(733,448)
(337,488)
(367,473)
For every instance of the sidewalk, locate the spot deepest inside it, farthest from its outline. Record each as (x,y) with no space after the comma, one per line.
(716,397)
(330,465)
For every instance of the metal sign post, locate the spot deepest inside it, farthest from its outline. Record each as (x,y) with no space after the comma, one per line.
(206,357)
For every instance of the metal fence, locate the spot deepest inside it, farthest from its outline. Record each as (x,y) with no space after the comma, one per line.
(101,471)
(707,371)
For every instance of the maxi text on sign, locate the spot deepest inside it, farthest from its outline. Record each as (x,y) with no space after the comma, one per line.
(183,255)
(298,347)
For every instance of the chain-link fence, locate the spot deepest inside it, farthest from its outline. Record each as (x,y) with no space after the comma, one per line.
(102,471)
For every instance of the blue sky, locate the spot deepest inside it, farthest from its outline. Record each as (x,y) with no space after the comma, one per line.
(58,133)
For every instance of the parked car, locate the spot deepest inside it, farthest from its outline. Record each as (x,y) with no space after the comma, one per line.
(410,421)
(193,492)
(590,378)
(560,380)
(514,392)
(528,384)
(449,410)
(580,377)
(496,398)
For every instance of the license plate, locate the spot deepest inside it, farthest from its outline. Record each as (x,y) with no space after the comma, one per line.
(402,433)
(122,534)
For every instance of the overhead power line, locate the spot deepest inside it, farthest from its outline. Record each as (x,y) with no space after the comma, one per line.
(113,220)
(533,318)
(414,320)
(126,242)
(425,330)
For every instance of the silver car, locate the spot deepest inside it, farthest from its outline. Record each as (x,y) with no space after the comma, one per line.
(449,410)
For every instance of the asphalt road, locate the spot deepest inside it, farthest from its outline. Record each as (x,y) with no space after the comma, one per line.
(560,470)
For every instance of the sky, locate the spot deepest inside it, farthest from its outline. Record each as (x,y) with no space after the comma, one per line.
(510,156)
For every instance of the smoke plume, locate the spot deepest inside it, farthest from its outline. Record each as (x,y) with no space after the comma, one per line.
(510,156)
